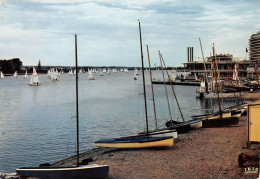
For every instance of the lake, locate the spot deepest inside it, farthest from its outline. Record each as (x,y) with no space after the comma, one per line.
(38,123)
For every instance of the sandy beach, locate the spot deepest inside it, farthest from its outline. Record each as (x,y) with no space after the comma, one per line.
(201,153)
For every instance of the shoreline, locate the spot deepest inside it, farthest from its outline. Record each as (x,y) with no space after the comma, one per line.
(201,153)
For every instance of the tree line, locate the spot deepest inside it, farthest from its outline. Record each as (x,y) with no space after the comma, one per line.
(10,66)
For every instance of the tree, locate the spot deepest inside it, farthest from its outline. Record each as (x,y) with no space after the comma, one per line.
(10,66)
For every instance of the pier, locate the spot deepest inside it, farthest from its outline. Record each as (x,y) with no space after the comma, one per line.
(185,83)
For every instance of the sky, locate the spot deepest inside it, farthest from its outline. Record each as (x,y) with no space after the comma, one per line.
(108,32)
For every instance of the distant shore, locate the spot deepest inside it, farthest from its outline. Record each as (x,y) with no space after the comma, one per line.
(202,153)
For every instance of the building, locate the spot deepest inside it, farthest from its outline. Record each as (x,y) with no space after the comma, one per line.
(226,66)
(254,47)
(254,56)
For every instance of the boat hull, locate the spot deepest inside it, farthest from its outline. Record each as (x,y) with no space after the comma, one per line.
(183,127)
(208,123)
(86,171)
(162,132)
(34,84)
(137,142)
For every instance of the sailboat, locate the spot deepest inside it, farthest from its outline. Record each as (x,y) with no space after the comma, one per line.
(54,75)
(2,75)
(34,79)
(221,117)
(15,74)
(25,75)
(138,141)
(90,75)
(183,126)
(60,172)
(135,77)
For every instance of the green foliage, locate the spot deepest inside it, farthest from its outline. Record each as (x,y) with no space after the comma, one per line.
(10,66)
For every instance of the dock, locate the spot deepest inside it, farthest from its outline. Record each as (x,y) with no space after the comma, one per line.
(185,83)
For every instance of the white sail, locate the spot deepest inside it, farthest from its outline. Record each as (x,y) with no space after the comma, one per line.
(34,81)
(2,75)
(101,73)
(173,76)
(15,74)
(25,75)
(90,75)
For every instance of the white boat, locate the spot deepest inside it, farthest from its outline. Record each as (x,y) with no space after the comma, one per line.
(90,75)
(15,74)
(2,75)
(139,141)
(101,73)
(60,172)
(70,72)
(25,75)
(34,79)
(135,77)
(54,75)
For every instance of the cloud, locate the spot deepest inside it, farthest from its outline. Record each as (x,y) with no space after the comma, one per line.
(108,30)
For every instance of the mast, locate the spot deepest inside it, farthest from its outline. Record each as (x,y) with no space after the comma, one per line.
(146,117)
(155,120)
(77,104)
(165,87)
(216,84)
(172,89)
(216,61)
(206,73)
(231,81)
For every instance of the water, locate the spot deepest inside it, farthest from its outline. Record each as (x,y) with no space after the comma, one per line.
(38,124)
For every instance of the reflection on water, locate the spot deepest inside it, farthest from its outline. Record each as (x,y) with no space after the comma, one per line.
(37,123)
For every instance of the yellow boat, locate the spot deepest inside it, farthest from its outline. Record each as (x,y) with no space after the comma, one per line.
(136,142)
(35,84)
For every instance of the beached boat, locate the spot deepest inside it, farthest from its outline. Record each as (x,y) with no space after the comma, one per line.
(145,141)
(60,172)
(34,79)
(136,142)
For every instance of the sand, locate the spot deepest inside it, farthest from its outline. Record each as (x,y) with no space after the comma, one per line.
(201,153)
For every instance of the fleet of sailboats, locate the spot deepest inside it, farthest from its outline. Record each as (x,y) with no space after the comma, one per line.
(60,172)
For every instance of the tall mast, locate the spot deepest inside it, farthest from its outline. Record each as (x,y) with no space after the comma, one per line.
(146,117)
(216,84)
(206,73)
(172,89)
(155,120)
(77,104)
(167,97)
(216,61)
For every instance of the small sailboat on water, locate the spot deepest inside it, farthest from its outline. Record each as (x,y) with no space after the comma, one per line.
(2,75)
(15,74)
(60,172)
(90,75)
(34,79)
(25,75)
(138,141)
